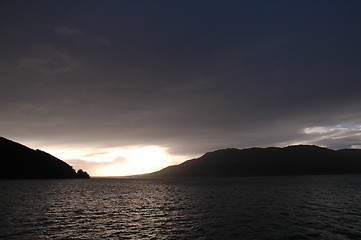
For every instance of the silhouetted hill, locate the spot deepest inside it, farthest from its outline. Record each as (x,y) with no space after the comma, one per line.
(20,162)
(292,160)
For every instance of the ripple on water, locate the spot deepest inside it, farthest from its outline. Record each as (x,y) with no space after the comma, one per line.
(303,207)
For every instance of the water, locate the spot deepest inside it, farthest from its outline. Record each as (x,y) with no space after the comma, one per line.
(292,207)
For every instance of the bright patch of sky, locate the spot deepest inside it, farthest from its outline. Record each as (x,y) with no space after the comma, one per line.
(336,129)
(328,129)
(344,135)
(117,161)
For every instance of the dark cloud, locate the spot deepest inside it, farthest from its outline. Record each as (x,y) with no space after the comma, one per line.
(187,76)
(64,30)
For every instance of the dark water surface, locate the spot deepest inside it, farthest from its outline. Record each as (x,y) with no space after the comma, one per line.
(292,207)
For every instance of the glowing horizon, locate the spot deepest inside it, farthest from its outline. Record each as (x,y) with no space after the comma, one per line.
(115,161)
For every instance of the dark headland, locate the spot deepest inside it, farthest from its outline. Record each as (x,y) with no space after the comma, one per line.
(20,162)
(292,160)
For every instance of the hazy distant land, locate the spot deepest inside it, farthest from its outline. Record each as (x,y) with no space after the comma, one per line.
(21,162)
(292,160)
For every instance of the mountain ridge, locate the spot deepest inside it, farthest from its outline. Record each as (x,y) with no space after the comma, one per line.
(290,160)
(21,162)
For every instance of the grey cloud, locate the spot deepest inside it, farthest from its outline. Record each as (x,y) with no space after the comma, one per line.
(81,37)
(91,167)
(101,40)
(63,30)
(47,61)
(337,137)
(191,84)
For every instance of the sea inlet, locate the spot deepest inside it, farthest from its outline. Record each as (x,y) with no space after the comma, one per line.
(278,207)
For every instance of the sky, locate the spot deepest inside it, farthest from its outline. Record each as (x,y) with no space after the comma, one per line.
(127,87)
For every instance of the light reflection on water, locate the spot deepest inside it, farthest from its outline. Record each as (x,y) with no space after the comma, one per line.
(298,207)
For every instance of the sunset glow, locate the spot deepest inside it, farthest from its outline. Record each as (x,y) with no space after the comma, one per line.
(133,161)
(180,119)
(120,161)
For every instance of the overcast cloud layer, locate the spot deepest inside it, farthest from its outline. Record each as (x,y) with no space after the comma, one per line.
(188,76)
